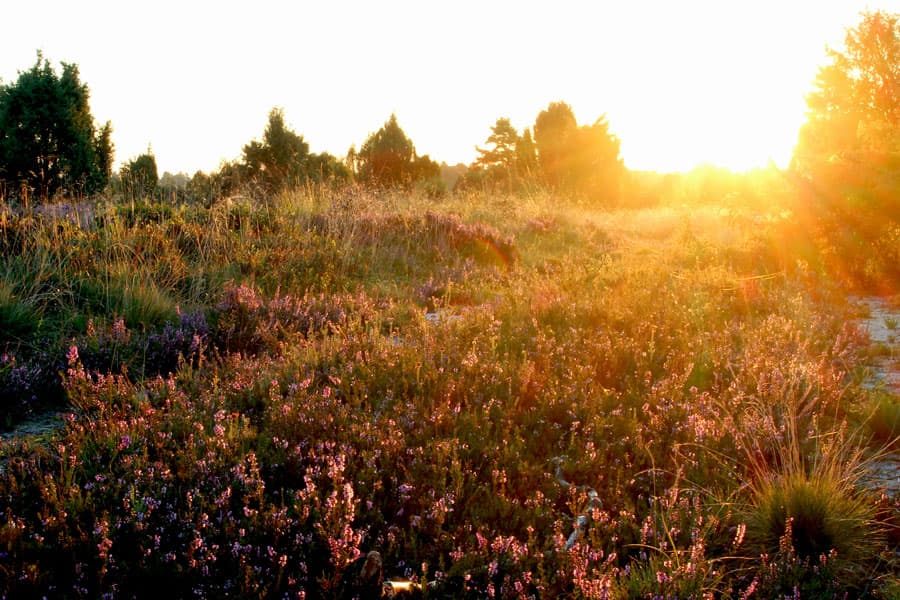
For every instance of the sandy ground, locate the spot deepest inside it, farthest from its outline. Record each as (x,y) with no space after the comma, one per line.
(881,319)
(883,324)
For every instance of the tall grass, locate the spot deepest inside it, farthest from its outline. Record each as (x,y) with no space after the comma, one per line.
(806,502)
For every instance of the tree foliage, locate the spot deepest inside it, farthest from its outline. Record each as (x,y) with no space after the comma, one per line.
(848,152)
(282,160)
(594,164)
(502,157)
(387,157)
(526,155)
(508,161)
(852,133)
(140,176)
(279,160)
(553,132)
(325,168)
(48,140)
(580,160)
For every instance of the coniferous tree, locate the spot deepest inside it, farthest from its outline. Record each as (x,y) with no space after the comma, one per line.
(502,156)
(48,141)
(279,160)
(387,156)
(140,176)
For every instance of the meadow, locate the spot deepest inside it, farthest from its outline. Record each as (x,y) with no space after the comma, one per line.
(504,396)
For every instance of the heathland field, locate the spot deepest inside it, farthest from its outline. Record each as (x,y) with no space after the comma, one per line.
(502,396)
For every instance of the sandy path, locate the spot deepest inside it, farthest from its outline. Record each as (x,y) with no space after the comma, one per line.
(883,324)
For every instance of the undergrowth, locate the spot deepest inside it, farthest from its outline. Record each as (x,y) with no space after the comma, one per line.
(260,394)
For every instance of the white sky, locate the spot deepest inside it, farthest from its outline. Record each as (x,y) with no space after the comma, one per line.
(681,82)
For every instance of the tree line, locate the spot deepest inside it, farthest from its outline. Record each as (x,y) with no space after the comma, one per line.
(50,144)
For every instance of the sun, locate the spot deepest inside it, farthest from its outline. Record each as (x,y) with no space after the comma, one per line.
(721,85)
(684,136)
(713,112)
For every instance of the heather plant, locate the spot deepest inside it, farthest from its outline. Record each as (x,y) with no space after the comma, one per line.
(31,384)
(17,388)
(114,348)
(337,372)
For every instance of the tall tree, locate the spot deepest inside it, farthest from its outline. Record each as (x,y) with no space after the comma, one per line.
(279,160)
(553,132)
(48,141)
(387,156)
(526,156)
(497,164)
(594,163)
(502,156)
(848,152)
(140,176)
(580,160)
(103,154)
(853,122)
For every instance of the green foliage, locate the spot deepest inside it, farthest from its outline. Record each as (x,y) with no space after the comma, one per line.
(48,140)
(142,304)
(229,179)
(199,188)
(824,513)
(325,168)
(509,164)
(139,177)
(526,156)
(279,160)
(854,112)
(17,319)
(103,159)
(848,151)
(884,421)
(501,159)
(387,157)
(806,510)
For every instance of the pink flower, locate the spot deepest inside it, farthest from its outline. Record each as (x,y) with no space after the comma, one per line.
(72,355)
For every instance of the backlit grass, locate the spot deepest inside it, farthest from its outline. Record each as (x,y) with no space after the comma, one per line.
(262,394)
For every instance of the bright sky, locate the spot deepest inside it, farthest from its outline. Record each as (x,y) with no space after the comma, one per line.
(681,83)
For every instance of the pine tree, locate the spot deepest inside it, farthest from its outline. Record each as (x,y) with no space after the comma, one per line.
(48,142)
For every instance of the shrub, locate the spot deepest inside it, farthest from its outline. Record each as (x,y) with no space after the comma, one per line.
(884,421)
(812,518)
(18,320)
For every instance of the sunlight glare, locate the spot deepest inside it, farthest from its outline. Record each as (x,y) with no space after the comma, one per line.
(681,84)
